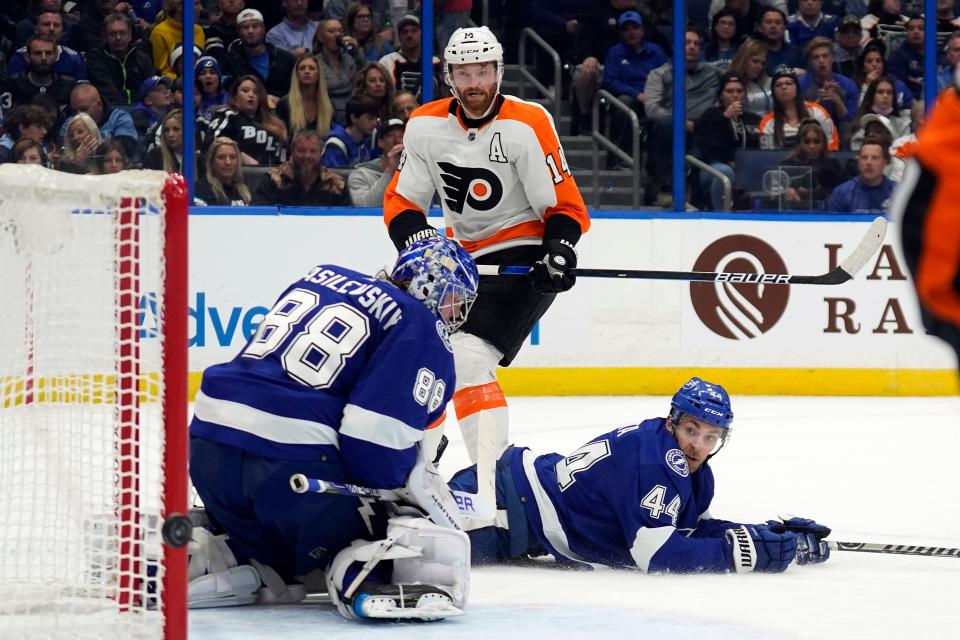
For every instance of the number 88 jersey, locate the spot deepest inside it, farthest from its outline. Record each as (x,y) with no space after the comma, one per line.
(343,365)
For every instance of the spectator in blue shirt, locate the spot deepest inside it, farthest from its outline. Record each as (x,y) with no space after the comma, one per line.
(626,68)
(69,62)
(724,39)
(295,32)
(836,93)
(906,61)
(771,29)
(809,22)
(346,147)
(871,190)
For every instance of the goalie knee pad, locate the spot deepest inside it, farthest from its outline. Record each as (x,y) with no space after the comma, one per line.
(431,573)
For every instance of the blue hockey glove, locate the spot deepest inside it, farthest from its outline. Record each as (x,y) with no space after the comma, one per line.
(799,525)
(810,550)
(757,548)
(549,275)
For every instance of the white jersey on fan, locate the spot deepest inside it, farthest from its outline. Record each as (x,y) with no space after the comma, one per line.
(497,184)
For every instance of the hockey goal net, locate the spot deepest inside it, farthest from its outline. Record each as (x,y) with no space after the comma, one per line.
(93,464)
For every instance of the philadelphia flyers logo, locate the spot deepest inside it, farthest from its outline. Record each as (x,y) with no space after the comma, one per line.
(479,188)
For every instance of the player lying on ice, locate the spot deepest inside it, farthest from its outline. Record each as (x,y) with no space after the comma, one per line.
(638,497)
(339,382)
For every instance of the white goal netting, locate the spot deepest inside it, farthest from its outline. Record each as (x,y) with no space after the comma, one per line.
(81,412)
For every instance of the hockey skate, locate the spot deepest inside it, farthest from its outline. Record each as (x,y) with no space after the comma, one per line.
(403,602)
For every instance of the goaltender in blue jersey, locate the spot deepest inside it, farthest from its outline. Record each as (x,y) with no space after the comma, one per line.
(636,497)
(339,382)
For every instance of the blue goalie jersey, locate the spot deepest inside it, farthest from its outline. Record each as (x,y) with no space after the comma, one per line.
(343,367)
(625,499)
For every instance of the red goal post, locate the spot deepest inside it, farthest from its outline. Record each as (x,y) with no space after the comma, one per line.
(93,404)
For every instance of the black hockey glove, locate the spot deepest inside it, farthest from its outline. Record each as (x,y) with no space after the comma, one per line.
(551,274)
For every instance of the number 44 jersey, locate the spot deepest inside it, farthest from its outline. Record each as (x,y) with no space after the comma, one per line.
(625,499)
(344,366)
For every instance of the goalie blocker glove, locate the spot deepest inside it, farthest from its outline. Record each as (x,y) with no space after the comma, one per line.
(550,274)
(757,548)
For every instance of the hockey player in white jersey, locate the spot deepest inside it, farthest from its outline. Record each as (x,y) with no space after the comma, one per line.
(508,197)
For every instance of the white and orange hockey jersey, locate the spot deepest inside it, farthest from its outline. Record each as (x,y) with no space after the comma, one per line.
(498,184)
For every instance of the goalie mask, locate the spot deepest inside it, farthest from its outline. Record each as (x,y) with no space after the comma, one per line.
(441,274)
(706,402)
(471,46)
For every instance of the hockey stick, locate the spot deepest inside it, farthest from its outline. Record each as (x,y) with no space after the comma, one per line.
(469,505)
(838,275)
(900,549)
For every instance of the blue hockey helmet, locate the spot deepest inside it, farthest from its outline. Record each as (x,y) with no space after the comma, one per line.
(704,401)
(441,274)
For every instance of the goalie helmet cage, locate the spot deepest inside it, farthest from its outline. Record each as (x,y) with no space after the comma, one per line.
(93,404)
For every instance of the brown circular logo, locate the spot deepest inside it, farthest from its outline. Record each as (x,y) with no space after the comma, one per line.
(739,310)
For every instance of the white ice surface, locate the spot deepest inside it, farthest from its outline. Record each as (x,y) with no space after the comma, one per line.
(874,469)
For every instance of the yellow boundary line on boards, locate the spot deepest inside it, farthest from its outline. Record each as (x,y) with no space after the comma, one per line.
(623,381)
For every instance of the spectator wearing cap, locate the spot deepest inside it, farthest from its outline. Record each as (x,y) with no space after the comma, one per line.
(339,64)
(66,62)
(772,29)
(295,32)
(875,126)
(209,81)
(303,181)
(111,121)
(404,65)
(116,68)
(39,79)
(834,92)
(155,101)
(720,131)
(346,147)
(222,30)
(368,181)
(810,22)
(251,54)
(168,33)
(779,127)
(905,63)
(871,190)
(701,94)
(625,71)
(176,59)
(847,47)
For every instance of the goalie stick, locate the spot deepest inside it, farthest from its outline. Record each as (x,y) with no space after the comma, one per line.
(838,275)
(899,549)
(469,505)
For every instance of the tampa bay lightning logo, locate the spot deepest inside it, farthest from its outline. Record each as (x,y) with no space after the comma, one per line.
(677,461)
(479,188)
(444,334)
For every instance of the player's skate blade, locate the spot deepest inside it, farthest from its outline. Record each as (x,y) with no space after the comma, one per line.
(404,602)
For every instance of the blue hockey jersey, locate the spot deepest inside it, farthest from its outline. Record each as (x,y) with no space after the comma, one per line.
(626,499)
(343,367)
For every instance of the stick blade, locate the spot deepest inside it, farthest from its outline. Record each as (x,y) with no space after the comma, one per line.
(867,248)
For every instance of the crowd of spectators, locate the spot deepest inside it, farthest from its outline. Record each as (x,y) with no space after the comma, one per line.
(305,101)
